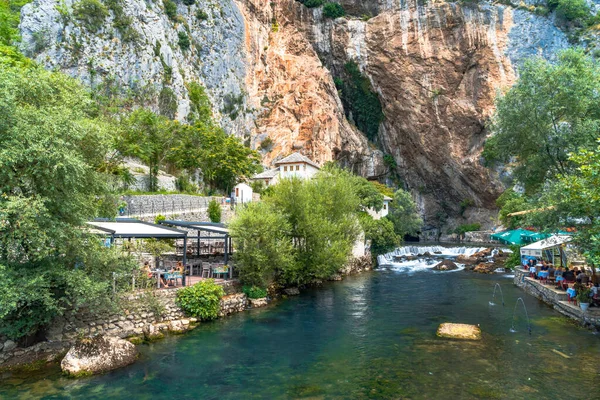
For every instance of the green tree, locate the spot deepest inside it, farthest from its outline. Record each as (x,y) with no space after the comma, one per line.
(404,215)
(381,234)
(203,300)
(222,158)
(148,137)
(52,149)
(553,110)
(214,211)
(323,222)
(263,246)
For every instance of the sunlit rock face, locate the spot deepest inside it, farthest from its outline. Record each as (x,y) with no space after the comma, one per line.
(268,67)
(437,70)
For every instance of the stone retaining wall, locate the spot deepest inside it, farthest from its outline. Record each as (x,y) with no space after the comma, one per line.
(138,314)
(148,314)
(173,206)
(557,299)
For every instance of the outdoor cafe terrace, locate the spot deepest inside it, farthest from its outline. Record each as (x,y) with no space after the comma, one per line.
(201,251)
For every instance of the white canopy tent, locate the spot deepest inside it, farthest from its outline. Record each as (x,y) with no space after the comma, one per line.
(550,249)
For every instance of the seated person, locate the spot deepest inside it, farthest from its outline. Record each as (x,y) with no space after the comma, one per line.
(568,275)
(146,269)
(544,266)
(551,271)
(595,295)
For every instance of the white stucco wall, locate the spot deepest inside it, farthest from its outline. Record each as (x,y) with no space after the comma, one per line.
(242,193)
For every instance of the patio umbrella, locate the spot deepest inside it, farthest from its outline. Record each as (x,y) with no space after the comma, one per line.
(511,237)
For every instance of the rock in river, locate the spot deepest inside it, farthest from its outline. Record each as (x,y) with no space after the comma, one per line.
(445,265)
(98,354)
(459,331)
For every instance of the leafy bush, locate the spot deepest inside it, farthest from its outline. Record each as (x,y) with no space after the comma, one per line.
(170,9)
(214,211)
(464,228)
(514,258)
(313,3)
(333,10)
(254,292)
(201,15)
(122,22)
(159,218)
(189,2)
(570,10)
(381,234)
(91,13)
(201,300)
(266,144)
(184,41)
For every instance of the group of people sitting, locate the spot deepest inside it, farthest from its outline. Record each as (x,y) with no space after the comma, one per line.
(167,279)
(562,277)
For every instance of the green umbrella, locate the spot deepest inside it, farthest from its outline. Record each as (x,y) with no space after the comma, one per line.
(531,237)
(511,237)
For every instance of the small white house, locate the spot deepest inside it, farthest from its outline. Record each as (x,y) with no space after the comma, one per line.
(384,211)
(294,165)
(242,193)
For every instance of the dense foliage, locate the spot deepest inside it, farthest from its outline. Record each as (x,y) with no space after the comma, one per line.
(91,13)
(381,234)
(404,214)
(254,292)
(214,211)
(333,10)
(553,110)
(201,300)
(360,100)
(53,151)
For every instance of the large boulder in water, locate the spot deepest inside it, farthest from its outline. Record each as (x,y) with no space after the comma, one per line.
(484,268)
(463,259)
(97,355)
(459,331)
(445,265)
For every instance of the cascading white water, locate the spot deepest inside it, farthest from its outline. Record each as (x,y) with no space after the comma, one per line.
(395,260)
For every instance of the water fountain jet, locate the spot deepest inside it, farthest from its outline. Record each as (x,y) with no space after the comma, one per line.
(497,285)
(512,328)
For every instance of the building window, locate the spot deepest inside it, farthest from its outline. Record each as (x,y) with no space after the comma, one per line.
(384,206)
(285,168)
(266,181)
(304,167)
(297,168)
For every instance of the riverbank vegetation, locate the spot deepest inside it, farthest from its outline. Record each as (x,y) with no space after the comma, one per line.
(546,131)
(304,230)
(61,153)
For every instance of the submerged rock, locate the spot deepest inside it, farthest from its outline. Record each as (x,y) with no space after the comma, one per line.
(97,355)
(292,291)
(459,331)
(445,265)
(483,268)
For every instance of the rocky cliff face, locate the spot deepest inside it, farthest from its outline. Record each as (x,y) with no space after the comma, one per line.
(437,70)
(269,67)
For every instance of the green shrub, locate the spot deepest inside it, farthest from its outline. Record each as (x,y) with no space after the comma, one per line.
(189,2)
(214,211)
(570,10)
(184,41)
(254,292)
(266,144)
(313,3)
(159,218)
(170,9)
(201,15)
(514,259)
(333,10)
(201,300)
(91,13)
(464,228)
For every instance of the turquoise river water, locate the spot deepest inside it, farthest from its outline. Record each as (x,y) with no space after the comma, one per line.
(369,336)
